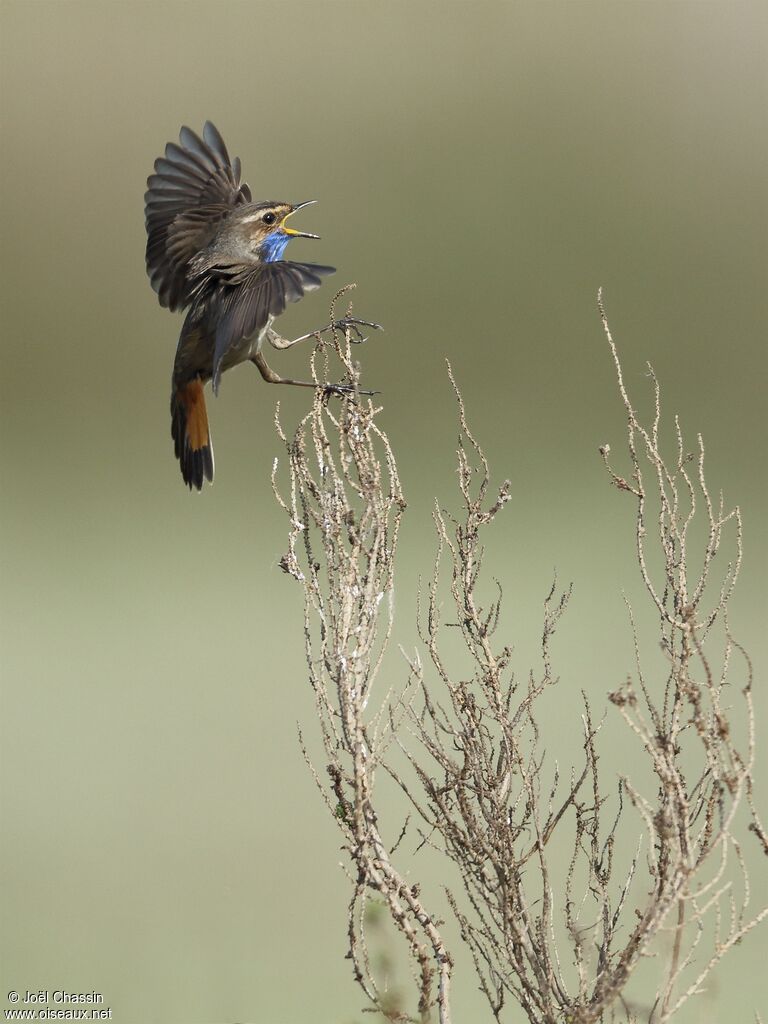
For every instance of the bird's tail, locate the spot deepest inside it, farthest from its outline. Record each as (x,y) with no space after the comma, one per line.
(191,436)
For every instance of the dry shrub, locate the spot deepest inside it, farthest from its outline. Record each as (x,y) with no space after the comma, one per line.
(564,947)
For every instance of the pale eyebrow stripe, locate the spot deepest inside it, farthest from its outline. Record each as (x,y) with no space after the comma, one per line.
(267,209)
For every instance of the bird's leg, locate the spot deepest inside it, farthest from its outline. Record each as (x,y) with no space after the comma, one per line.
(351,323)
(271,377)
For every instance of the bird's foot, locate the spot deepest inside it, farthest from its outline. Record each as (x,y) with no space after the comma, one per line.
(353,325)
(345,390)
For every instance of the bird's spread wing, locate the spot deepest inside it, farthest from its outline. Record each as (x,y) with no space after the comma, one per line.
(242,303)
(194,186)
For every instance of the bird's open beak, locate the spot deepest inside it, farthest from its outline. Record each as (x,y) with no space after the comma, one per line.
(290,231)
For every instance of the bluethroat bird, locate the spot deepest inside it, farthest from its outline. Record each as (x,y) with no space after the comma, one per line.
(213,251)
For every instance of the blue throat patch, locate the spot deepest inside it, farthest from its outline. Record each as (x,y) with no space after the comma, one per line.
(273,246)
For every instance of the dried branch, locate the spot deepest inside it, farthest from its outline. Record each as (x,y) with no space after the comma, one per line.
(487,793)
(692,825)
(646,865)
(344,507)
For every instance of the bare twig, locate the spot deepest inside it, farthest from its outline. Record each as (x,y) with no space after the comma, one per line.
(344,506)
(563,943)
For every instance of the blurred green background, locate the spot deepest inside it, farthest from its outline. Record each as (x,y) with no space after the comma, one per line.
(481,170)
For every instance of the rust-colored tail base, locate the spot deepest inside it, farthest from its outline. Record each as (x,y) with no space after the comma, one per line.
(191,437)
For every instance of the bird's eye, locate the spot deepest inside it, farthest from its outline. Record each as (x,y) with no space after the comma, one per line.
(269,218)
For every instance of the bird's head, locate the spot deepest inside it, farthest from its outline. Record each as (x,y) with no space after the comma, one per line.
(267,230)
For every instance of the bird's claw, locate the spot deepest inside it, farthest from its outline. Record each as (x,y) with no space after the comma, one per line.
(345,390)
(353,325)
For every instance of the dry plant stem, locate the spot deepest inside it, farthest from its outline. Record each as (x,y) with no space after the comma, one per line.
(484,793)
(487,797)
(344,506)
(690,824)
(562,943)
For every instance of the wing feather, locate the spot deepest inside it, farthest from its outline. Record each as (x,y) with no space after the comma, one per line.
(243,303)
(195,185)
